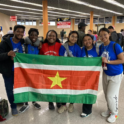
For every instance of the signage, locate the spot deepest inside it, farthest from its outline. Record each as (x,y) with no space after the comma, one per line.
(13,18)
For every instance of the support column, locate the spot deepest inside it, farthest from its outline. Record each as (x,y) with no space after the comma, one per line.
(113,21)
(91,20)
(45,18)
(73,21)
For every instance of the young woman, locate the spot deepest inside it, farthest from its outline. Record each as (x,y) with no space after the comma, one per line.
(112,58)
(51,47)
(31,49)
(89,50)
(70,49)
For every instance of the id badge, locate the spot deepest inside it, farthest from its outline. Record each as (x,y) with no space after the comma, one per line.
(106,55)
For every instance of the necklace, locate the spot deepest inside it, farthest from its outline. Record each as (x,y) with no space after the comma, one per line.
(106,47)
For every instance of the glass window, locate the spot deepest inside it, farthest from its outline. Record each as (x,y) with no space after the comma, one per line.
(26,22)
(34,22)
(23,22)
(18,22)
(52,23)
(30,22)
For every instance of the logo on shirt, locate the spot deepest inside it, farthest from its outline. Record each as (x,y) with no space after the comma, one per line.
(50,53)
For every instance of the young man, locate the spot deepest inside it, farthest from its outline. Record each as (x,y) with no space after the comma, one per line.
(8,47)
(31,47)
(62,34)
(81,32)
(114,36)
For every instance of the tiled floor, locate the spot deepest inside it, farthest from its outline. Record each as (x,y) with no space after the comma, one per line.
(45,116)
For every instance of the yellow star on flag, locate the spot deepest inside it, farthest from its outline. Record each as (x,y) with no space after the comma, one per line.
(56,80)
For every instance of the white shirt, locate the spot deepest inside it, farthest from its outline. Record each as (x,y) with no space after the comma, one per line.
(1,34)
(10,32)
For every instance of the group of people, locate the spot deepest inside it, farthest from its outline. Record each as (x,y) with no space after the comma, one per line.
(78,44)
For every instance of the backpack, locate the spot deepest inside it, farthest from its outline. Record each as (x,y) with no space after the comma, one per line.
(4,109)
(116,37)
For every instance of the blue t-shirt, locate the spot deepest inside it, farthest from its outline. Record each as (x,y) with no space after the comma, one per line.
(75,50)
(112,70)
(16,46)
(91,53)
(32,49)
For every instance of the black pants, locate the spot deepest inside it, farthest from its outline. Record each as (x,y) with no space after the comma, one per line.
(87,108)
(65,103)
(9,83)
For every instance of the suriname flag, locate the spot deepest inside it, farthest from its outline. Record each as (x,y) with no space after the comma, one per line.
(56,79)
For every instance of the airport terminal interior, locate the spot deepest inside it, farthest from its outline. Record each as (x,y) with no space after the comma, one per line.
(45,15)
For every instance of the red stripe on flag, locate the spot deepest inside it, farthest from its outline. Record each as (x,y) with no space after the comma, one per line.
(37,78)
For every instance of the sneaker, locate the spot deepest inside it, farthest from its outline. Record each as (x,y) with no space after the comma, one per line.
(70,108)
(106,113)
(23,108)
(83,115)
(36,105)
(62,109)
(51,106)
(14,112)
(112,118)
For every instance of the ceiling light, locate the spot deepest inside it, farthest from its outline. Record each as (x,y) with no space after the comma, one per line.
(50,7)
(66,14)
(30,12)
(18,11)
(33,16)
(21,7)
(93,6)
(34,4)
(38,10)
(114,3)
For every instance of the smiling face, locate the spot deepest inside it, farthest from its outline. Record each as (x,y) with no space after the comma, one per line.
(18,34)
(104,36)
(51,37)
(33,36)
(73,38)
(88,41)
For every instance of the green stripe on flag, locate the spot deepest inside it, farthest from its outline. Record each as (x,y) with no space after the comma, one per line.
(57,60)
(32,96)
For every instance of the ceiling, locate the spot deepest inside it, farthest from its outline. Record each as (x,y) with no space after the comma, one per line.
(30,12)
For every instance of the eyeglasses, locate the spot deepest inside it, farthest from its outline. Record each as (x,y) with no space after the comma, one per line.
(101,36)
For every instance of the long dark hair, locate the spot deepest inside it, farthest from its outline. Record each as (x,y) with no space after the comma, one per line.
(57,40)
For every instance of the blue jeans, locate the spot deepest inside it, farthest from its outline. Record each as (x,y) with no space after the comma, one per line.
(9,83)
(62,39)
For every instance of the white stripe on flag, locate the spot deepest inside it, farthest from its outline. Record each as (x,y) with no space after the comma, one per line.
(57,67)
(55,91)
